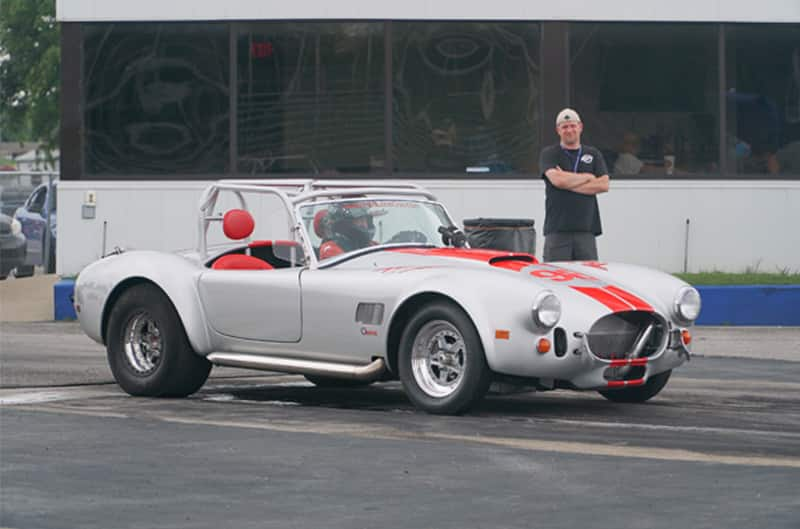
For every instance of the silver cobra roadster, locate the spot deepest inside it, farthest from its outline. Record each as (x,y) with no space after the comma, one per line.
(351,282)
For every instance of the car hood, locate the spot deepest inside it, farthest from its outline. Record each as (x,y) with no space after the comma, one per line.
(611,287)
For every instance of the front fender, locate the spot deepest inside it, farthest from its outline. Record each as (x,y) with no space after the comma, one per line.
(502,304)
(100,284)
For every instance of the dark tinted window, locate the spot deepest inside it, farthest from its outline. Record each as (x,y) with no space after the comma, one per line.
(648,95)
(763,99)
(156,98)
(310,97)
(466,97)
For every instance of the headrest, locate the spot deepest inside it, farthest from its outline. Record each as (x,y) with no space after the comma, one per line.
(238,224)
(319,227)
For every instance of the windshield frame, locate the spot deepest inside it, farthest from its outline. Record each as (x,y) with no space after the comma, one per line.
(327,263)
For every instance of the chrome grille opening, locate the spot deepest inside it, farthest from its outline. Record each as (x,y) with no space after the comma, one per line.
(624,373)
(619,335)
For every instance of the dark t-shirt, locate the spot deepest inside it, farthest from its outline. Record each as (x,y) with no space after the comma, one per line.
(568,211)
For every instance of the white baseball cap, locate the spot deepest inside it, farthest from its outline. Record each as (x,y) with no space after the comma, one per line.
(567,115)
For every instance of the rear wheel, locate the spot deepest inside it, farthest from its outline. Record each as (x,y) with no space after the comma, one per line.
(148,351)
(642,393)
(441,362)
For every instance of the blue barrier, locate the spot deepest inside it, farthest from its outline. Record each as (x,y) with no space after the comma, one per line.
(750,305)
(62,300)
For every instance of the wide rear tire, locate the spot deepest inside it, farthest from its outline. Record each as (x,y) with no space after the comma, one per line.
(441,361)
(636,394)
(148,351)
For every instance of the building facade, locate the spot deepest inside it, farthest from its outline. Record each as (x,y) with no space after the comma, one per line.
(695,105)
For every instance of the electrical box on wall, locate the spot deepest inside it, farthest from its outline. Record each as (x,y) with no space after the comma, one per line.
(89,205)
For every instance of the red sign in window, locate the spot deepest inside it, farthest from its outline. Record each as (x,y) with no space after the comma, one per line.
(261,50)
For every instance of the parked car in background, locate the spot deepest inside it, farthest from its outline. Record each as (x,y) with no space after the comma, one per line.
(39,211)
(12,245)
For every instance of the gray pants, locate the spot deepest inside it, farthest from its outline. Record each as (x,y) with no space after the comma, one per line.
(572,246)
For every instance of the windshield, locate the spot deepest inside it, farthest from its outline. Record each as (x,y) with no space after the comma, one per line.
(342,226)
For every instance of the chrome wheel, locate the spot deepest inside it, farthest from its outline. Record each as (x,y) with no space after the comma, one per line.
(143,343)
(438,358)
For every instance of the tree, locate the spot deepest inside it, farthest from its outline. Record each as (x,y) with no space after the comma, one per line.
(29,71)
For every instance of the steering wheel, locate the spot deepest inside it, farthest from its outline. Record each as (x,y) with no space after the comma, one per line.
(408,236)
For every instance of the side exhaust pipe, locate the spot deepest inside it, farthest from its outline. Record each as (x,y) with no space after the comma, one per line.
(364,373)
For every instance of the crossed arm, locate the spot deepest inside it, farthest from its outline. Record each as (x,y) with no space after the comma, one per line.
(584,183)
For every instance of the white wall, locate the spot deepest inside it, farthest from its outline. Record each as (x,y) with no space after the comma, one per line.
(644,10)
(734,224)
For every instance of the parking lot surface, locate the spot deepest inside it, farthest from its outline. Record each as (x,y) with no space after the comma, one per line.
(719,447)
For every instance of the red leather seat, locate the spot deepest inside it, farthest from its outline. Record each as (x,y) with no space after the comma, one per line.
(238,261)
(238,224)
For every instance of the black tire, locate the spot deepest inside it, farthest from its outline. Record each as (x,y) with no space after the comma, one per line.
(331,382)
(24,271)
(177,371)
(49,261)
(475,376)
(642,393)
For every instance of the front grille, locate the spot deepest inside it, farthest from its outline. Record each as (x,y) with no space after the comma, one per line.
(617,335)
(5,228)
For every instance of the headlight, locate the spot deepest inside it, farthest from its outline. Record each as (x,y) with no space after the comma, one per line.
(16,227)
(546,310)
(687,304)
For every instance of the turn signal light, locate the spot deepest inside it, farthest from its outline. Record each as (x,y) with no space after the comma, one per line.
(686,337)
(543,345)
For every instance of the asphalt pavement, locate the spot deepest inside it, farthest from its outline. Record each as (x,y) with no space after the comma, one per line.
(718,448)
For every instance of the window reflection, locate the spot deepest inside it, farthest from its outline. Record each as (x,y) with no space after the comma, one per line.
(157,98)
(763,99)
(648,96)
(466,97)
(310,98)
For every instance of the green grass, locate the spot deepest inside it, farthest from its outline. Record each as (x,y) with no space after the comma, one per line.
(785,277)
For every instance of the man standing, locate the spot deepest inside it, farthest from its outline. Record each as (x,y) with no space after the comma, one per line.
(573,175)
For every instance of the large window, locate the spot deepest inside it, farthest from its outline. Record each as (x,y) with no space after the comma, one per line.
(156,98)
(466,97)
(763,99)
(648,95)
(310,98)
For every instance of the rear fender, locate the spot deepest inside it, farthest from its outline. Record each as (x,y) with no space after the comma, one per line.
(174,275)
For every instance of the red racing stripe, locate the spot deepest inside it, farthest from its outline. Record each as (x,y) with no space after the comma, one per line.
(628,362)
(638,303)
(516,266)
(623,383)
(606,298)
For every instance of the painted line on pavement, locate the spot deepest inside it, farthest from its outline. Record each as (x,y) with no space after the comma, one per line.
(553,446)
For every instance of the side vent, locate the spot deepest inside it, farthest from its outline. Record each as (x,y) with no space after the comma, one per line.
(369,313)
(561,341)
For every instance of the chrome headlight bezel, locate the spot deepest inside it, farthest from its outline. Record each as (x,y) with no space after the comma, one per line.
(687,304)
(16,227)
(546,310)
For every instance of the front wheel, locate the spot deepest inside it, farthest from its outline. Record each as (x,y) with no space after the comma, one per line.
(441,361)
(148,351)
(642,393)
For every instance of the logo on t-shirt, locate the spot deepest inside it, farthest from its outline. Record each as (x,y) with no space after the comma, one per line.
(587,158)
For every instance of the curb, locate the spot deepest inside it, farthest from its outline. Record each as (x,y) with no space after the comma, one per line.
(768,305)
(63,296)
